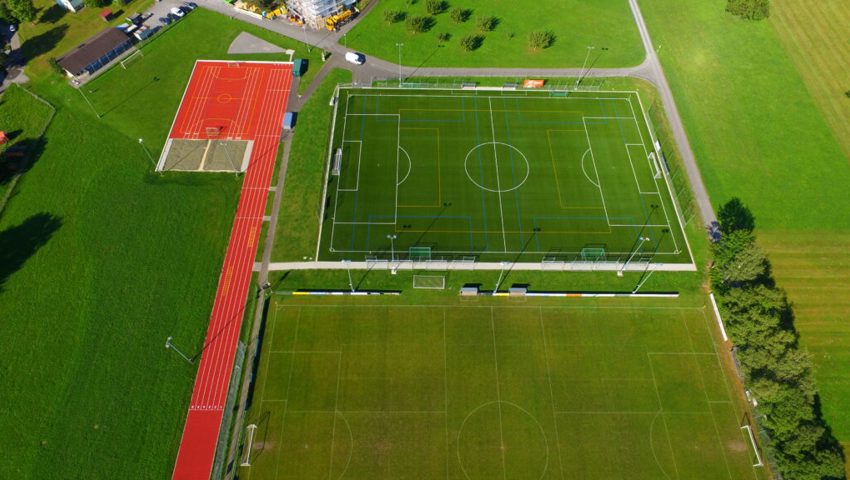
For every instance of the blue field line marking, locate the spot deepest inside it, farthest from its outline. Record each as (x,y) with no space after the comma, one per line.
(357,193)
(513,172)
(481,175)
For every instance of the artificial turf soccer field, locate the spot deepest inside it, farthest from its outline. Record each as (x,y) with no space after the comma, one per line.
(498,175)
(463,392)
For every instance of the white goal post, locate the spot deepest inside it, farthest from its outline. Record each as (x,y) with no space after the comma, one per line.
(130,58)
(250,430)
(431,282)
(749,430)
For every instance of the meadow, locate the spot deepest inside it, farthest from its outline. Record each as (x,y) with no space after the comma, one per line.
(106,260)
(759,134)
(501,391)
(24,118)
(575,25)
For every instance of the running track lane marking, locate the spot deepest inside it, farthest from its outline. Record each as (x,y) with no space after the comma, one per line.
(262,123)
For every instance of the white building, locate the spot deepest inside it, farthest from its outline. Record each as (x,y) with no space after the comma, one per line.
(314,12)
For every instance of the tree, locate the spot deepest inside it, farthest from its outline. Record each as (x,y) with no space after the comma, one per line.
(540,40)
(737,259)
(460,15)
(420,24)
(444,37)
(435,7)
(486,24)
(733,215)
(6,14)
(471,42)
(393,16)
(4,59)
(23,10)
(749,9)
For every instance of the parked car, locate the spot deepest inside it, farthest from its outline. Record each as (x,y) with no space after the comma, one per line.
(355,58)
(13,28)
(173,17)
(178,12)
(189,6)
(165,20)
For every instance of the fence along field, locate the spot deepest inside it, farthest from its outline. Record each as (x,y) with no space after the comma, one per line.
(502,176)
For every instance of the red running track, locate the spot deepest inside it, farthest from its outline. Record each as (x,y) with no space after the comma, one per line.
(244,100)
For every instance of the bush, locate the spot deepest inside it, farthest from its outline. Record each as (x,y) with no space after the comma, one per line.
(435,7)
(96,3)
(540,40)
(749,9)
(760,323)
(471,42)
(23,10)
(444,37)
(54,65)
(393,16)
(420,24)
(486,24)
(460,15)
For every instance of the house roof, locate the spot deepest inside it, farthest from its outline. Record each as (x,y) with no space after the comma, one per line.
(92,49)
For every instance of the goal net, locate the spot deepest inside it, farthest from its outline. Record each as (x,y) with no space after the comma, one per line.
(337,165)
(131,58)
(592,254)
(653,164)
(431,282)
(419,253)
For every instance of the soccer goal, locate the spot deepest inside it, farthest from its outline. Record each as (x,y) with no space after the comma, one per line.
(212,132)
(430,282)
(592,254)
(419,253)
(131,58)
(337,166)
(653,163)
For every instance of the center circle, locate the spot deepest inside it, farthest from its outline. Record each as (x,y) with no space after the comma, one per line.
(224,98)
(496,167)
(497,439)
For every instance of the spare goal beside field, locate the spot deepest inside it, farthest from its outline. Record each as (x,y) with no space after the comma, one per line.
(518,176)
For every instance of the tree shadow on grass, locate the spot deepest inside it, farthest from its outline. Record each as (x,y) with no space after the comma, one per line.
(41,44)
(19,158)
(20,242)
(52,14)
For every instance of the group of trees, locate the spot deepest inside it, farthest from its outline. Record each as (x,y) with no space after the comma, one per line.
(760,322)
(483,25)
(749,9)
(17,11)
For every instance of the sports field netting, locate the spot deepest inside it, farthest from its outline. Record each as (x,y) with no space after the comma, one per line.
(479,393)
(517,176)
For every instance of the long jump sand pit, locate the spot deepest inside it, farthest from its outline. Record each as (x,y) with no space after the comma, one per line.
(206,155)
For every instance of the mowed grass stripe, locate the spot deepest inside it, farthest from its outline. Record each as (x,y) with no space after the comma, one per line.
(815,37)
(515,391)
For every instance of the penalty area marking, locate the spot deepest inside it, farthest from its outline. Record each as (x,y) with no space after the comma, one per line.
(409,164)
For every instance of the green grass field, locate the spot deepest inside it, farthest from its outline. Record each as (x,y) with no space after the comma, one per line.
(758,134)
(101,262)
(497,175)
(456,391)
(575,23)
(24,118)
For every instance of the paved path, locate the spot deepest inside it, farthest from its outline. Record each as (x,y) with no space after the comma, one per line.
(442,265)
(376,68)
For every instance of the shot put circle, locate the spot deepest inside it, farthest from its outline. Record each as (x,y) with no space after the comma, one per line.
(500,188)
(526,433)
(224,98)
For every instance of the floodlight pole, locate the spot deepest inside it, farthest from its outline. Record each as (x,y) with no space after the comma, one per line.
(142,143)
(581,72)
(399,45)
(80,89)
(392,252)
(169,345)
(499,282)
(637,249)
(345,40)
(642,282)
(304,30)
(347,264)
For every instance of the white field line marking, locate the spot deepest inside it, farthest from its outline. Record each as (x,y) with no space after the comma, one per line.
(336,410)
(327,174)
(409,163)
(359,162)
(551,390)
(286,405)
(397,162)
(361,223)
(336,195)
(498,190)
(669,189)
(663,419)
(596,168)
(498,396)
(585,171)
(632,164)
(446,388)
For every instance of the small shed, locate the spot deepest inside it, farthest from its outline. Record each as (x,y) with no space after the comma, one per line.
(94,53)
(71,5)
(106,15)
(289,121)
(299,66)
